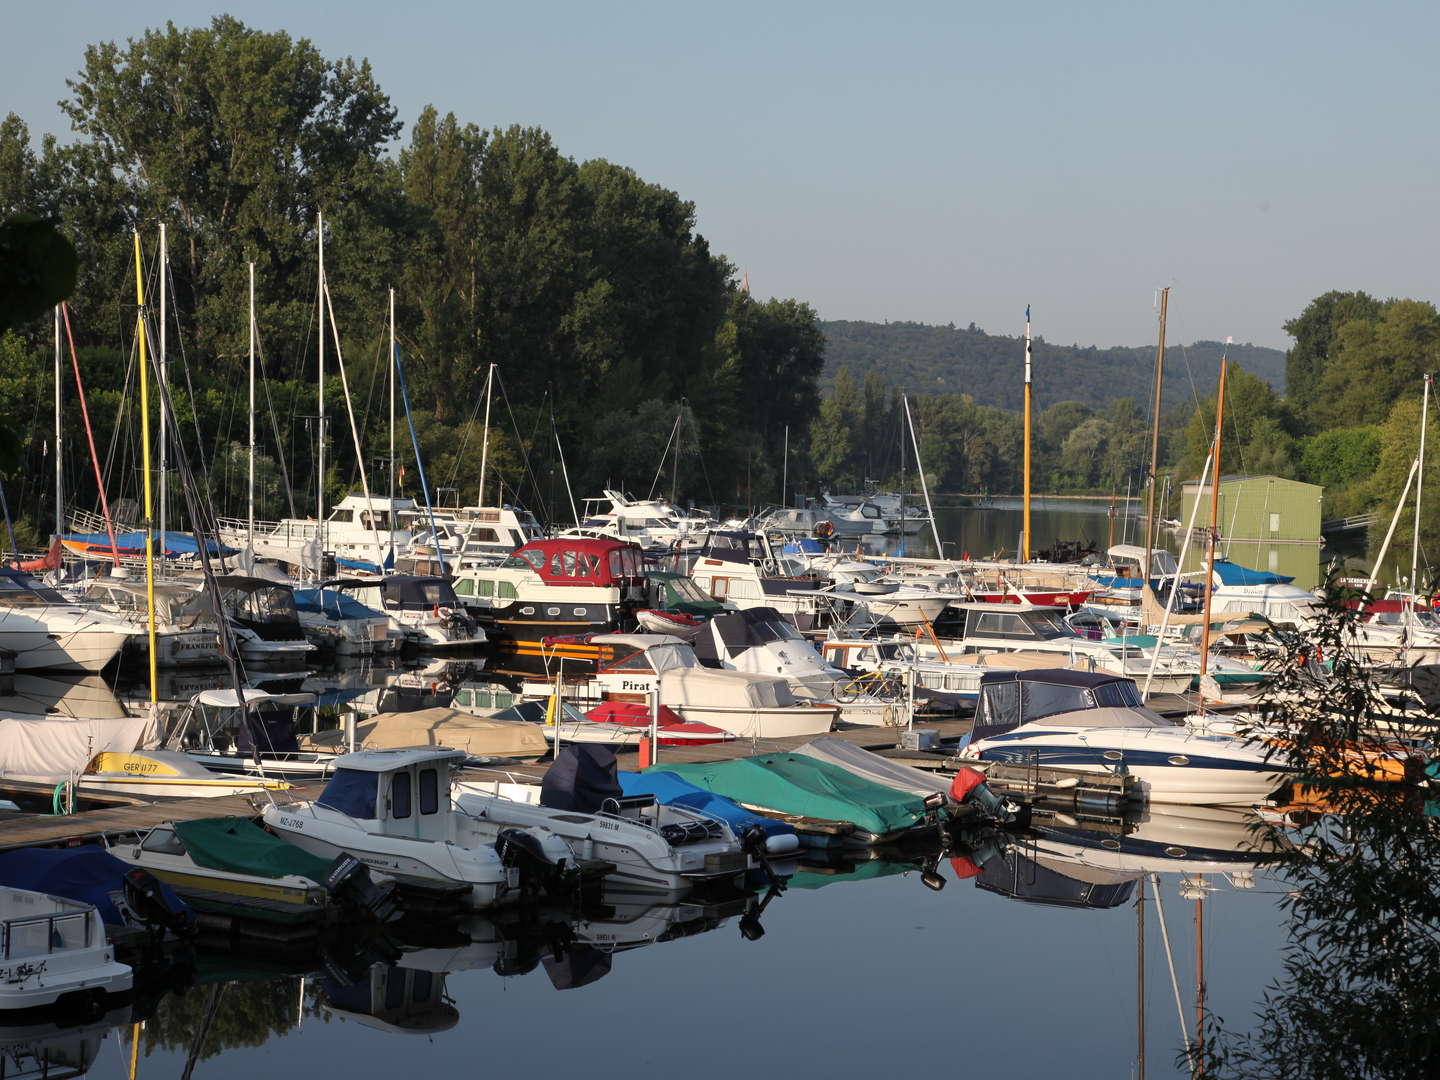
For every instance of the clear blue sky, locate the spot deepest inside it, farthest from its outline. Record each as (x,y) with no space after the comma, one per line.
(937,161)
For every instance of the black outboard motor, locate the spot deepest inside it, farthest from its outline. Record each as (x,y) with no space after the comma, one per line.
(523,850)
(349,883)
(145,898)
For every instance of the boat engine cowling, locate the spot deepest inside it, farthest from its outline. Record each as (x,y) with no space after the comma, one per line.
(146,899)
(542,860)
(349,882)
(969,787)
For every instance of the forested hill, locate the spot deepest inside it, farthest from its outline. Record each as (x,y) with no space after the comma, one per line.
(951,360)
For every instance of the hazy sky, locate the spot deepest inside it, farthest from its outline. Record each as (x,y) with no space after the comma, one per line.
(936,161)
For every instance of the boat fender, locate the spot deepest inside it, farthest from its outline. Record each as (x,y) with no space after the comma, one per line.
(753,841)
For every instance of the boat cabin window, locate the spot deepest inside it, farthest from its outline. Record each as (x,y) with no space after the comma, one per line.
(999,624)
(1001,706)
(505,590)
(429,791)
(400,795)
(483,536)
(1047,699)
(524,560)
(684,590)
(164,842)
(636,661)
(350,791)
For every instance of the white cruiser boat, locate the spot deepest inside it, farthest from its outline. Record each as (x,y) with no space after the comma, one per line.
(424,608)
(651,523)
(1096,722)
(264,620)
(741,568)
(392,810)
(652,846)
(630,667)
(46,631)
(341,624)
(358,531)
(53,951)
(187,633)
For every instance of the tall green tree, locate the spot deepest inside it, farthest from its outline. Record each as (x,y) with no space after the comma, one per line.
(1314,331)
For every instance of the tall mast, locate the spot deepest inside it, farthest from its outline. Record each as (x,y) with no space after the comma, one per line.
(145,472)
(1419,479)
(250,487)
(1214,519)
(164,374)
(320,448)
(785,469)
(485,442)
(1155,434)
(59,438)
(924,487)
(1025,542)
(392,411)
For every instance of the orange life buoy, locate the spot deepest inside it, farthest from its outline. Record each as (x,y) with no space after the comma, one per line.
(825,530)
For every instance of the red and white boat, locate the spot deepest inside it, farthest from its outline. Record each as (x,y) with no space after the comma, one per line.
(626,723)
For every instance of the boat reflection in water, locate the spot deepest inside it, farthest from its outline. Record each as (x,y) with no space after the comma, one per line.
(55,1048)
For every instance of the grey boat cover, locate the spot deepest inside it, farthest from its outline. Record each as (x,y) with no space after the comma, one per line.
(581,779)
(872,767)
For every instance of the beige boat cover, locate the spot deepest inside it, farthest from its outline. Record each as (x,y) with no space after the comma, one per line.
(49,749)
(731,689)
(477,736)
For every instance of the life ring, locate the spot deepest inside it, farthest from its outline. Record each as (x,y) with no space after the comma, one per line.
(825,529)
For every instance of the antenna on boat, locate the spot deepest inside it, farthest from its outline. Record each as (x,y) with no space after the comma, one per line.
(485,438)
(1025,536)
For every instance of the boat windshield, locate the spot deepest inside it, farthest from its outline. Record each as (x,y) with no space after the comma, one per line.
(686,591)
(1047,699)
(665,658)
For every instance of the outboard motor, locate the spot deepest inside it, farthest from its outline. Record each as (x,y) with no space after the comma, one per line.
(146,899)
(969,787)
(348,882)
(544,863)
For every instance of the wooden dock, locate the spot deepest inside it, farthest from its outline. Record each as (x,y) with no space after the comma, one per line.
(90,825)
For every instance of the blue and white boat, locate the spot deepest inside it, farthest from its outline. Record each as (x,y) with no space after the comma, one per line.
(1097,722)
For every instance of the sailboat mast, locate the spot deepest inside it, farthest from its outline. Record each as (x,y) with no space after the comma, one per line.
(1025,541)
(1214,519)
(1419,479)
(145,472)
(320,420)
(920,470)
(59,437)
(250,487)
(785,469)
(392,411)
(1155,433)
(164,373)
(485,440)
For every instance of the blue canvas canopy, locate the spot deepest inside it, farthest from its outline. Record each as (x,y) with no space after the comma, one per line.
(670,789)
(1231,573)
(168,545)
(87,874)
(334,603)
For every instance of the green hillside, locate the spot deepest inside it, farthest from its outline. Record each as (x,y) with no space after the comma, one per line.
(952,360)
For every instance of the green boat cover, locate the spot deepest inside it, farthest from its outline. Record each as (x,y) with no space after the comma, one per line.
(240,846)
(806,787)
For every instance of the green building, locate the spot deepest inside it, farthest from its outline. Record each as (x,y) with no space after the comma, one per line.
(1265,523)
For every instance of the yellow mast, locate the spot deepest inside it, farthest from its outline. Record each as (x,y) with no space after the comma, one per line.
(1025,534)
(145,471)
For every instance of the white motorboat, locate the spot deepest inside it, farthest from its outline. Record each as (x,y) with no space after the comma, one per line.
(424,608)
(1096,722)
(46,631)
(759,641)
(260,740)
(633,666)
(264,620)
(392,810)
(651,845)
(341,624)
(54,952)
(164,774)
(187,633)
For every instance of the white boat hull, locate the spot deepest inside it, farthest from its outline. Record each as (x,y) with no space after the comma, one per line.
(76,650)
(763,723)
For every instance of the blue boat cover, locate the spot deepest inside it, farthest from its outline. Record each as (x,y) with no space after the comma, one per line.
(803,545)
(351,791)
(368,567)
(336,604)
(167,544)
(88,874)
(673,791)
(1231,573)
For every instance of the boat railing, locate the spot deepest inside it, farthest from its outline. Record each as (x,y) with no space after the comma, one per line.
(41,935)
(287,532)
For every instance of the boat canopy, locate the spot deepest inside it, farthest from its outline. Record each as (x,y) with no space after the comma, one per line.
(227,698)
(240,846)
(1231,573)
(804,787)
(167,545)
(1086,698)
(88,874)
(673,790)
(731,545)
(578,560)
(335,604)
(465,734)
(860,762)
(724,689)
(732,632)
(581,779)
